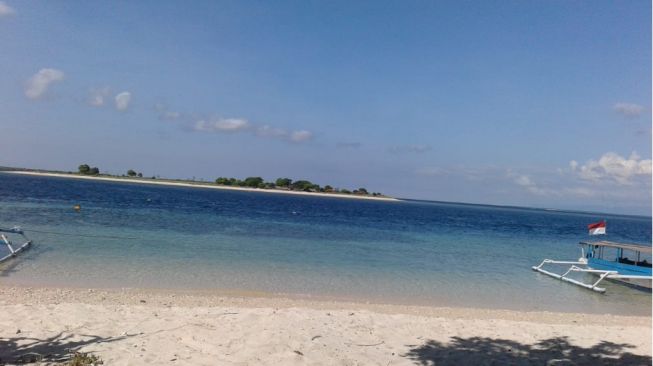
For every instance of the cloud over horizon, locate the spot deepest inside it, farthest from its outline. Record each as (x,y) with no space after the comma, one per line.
(613,167)
(628,110)
(97,97)
(300,136)
(38,84)
(6,10)
(528,183)
(611,178)
(237,125)
(221,125)
(122,100)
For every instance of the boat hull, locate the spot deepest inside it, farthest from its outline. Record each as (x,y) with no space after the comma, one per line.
(624,269)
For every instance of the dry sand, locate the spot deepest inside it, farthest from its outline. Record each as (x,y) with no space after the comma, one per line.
(164,182)
(139,327)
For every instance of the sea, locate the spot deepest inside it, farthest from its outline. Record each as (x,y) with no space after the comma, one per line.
(130,235)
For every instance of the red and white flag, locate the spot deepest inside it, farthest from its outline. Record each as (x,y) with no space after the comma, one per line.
(597,228)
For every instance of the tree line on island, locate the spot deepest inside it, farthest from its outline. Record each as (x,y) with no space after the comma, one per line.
(255,182)
(289,184)
(85,169)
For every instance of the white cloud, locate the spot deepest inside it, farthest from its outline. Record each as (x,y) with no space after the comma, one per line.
(279,133)
(630,110)
(97,97)
(410,149)
(122,100)
(38,84)
(573,165)
(6,10)
(613,167)
(238,125)
(222,125)
(300,136)
(526,182)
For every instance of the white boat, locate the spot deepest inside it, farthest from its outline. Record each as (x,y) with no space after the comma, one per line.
(628,264)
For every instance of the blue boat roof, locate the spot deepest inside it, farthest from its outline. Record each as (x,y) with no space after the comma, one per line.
(611,244)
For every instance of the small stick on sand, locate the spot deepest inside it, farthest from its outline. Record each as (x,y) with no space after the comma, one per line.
(365,345)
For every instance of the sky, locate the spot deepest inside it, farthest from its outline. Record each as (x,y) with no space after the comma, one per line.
(528,103)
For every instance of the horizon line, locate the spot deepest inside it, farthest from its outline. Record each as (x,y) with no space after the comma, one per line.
(5,168)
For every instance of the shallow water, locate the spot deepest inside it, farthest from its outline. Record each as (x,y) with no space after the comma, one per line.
(131,235)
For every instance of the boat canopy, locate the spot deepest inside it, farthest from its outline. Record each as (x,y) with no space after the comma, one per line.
(611,244)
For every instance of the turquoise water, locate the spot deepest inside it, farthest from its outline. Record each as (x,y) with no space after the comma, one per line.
(442,254)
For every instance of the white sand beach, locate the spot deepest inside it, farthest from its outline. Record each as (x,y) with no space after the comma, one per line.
(165,182)
(139,327)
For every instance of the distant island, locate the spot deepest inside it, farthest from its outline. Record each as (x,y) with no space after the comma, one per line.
(280,185)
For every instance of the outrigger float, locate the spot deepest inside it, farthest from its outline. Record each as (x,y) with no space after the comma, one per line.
(608,261)
(6,234)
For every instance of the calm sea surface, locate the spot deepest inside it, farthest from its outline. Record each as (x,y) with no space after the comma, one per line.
(130,235)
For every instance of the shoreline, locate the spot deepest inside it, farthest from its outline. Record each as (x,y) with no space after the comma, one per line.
(207,296)
(131,326)
(16,294)
(165,182)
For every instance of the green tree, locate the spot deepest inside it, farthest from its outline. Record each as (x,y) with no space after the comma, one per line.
(84,168)
(253,182)
(362,191)
(302,185)
(131,173)
(140,175)
(345,191)
(283,182)
(223,181)
(94,171)
(328,188)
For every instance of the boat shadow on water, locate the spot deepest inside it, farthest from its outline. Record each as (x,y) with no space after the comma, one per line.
(9,267)
(495,351)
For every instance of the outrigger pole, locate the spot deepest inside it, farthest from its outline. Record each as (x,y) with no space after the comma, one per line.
(602,273)
(575,268)
(13,252)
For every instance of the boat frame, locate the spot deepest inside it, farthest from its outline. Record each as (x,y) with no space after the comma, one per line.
(591,261)
(13,252)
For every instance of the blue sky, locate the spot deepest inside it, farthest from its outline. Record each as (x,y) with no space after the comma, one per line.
(529,103)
